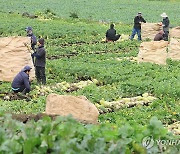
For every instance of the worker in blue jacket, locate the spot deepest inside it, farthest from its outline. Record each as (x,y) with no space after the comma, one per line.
(21,82)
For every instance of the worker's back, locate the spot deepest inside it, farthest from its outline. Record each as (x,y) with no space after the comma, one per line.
(158,37)
(110,34)
(19,80)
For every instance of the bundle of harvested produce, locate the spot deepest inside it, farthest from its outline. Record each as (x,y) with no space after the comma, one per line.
(174,128)
(65,86)
(132,59)
(105,106)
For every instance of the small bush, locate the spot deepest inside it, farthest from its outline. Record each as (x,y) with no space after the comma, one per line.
(73,15)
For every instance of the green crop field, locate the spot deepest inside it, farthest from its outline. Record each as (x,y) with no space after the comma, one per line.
(73,31)
(99,10)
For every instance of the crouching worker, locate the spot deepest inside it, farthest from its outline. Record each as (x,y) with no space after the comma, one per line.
(40,62)
(159,36)
(21,81)
(111,34)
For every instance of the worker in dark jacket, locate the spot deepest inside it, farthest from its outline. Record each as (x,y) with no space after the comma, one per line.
(111,34)
(21,81)
(40,62)
(137,26)
(165,24)
(159,36)
(30,34)
(33,38)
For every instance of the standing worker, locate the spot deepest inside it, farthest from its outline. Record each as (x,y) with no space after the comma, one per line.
(137,26)
(111,34)
(21,81)
(30,34)
(165,25)
(33,38)
(40,62)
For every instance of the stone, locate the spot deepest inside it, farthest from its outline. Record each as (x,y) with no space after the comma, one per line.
(79,107)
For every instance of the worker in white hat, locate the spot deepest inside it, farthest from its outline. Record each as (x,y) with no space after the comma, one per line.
(165,24)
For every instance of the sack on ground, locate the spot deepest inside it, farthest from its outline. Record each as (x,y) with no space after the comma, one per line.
(175,32)
(153,52)
(149,30)
(13,57)
(174,49)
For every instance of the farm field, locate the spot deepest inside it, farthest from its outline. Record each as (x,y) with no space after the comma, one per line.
(99,10)
(103,72)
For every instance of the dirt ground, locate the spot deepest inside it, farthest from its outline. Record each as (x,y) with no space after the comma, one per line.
(27,117)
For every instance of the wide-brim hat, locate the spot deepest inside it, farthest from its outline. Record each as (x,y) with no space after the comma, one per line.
(26,68)
(164,15)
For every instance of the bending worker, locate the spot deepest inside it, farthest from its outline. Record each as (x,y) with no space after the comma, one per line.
(21,81)
(159,36)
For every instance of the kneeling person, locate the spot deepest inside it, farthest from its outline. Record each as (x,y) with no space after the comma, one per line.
(159,36)
(111,34)
(21,81)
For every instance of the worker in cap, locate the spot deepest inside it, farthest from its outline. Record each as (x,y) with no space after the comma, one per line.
(137,26)
(30,34)
(21,82)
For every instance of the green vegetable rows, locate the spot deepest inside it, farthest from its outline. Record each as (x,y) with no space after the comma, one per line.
(65,135)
